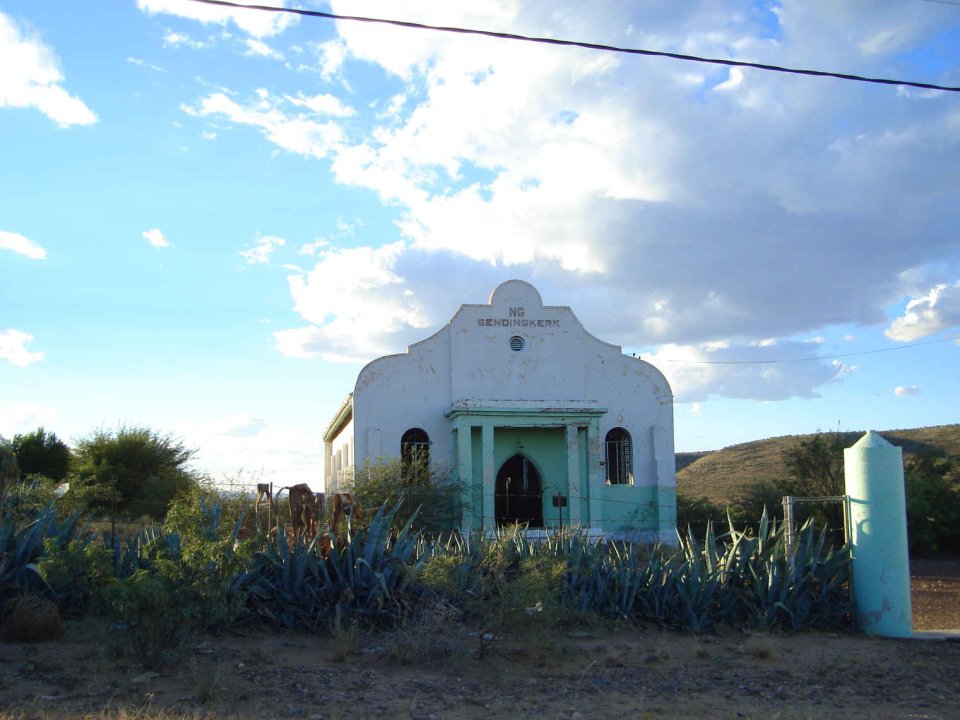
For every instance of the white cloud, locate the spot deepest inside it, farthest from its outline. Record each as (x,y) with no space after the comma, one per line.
(357,304)
(938,310)
(13,348)
(262,248)
(175,39)
(901,391)
(31,77)
(323,104)
(155,237)
(258,48)
(695,409)
(331,54)
(305,133)
(22,245)
(312,248)
(139,62)
(255,23)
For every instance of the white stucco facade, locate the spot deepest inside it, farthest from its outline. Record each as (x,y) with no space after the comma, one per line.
(522,404)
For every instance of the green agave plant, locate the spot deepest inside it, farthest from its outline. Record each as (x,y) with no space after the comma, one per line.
(738,578)
(378,577)
(292,585)
(22,547)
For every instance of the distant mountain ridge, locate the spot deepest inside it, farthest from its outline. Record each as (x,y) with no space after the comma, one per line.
(723,475)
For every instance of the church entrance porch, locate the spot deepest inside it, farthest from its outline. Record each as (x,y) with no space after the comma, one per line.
(491,440)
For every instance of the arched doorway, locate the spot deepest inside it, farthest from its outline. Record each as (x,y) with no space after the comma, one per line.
(519,493)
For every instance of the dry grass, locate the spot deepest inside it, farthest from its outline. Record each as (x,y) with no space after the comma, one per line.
(437,632)
(346,640)
(41,710)
(761,647)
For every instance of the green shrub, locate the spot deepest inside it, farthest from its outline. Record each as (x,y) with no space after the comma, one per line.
(206,557)
(27,498)
(131,471)
(74,571)
(933,505)
(695,513)
(42,453)
(429,495)
(152,616)
(532,598)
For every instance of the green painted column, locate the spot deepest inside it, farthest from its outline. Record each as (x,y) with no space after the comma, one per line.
(465,473)
(573,474)
(488,518)
(596,475)
(873,473)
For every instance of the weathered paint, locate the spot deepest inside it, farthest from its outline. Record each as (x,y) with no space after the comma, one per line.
(563,392)
(873,474)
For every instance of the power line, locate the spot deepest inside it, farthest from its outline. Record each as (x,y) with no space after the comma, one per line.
(808,359)
(586,45)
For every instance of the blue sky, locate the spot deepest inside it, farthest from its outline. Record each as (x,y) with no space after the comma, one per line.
(211,219)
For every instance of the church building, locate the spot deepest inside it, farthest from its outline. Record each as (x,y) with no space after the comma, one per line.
(540,421)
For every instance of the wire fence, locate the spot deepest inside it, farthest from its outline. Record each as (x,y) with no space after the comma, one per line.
(631,513)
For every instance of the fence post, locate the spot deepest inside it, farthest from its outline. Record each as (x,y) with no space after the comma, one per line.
(788,526)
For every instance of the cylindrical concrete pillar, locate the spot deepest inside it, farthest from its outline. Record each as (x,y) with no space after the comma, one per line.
(873,473)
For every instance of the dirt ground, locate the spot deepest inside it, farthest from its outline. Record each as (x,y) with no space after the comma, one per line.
(586,673)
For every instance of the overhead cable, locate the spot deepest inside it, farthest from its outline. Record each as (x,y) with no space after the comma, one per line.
(577,43)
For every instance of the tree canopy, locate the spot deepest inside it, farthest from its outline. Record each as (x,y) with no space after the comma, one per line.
(42,453)
(133,470)
(815,466)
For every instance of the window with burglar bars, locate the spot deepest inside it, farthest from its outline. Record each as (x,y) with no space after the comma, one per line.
(619,457)
(414,453)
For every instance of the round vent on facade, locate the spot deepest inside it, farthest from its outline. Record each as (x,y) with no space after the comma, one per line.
(517,343)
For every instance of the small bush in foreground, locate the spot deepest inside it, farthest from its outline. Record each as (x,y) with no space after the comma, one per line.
(152,616)
(33,618)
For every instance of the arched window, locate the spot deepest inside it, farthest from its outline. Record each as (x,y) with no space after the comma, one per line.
(619,457)
(415,453)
